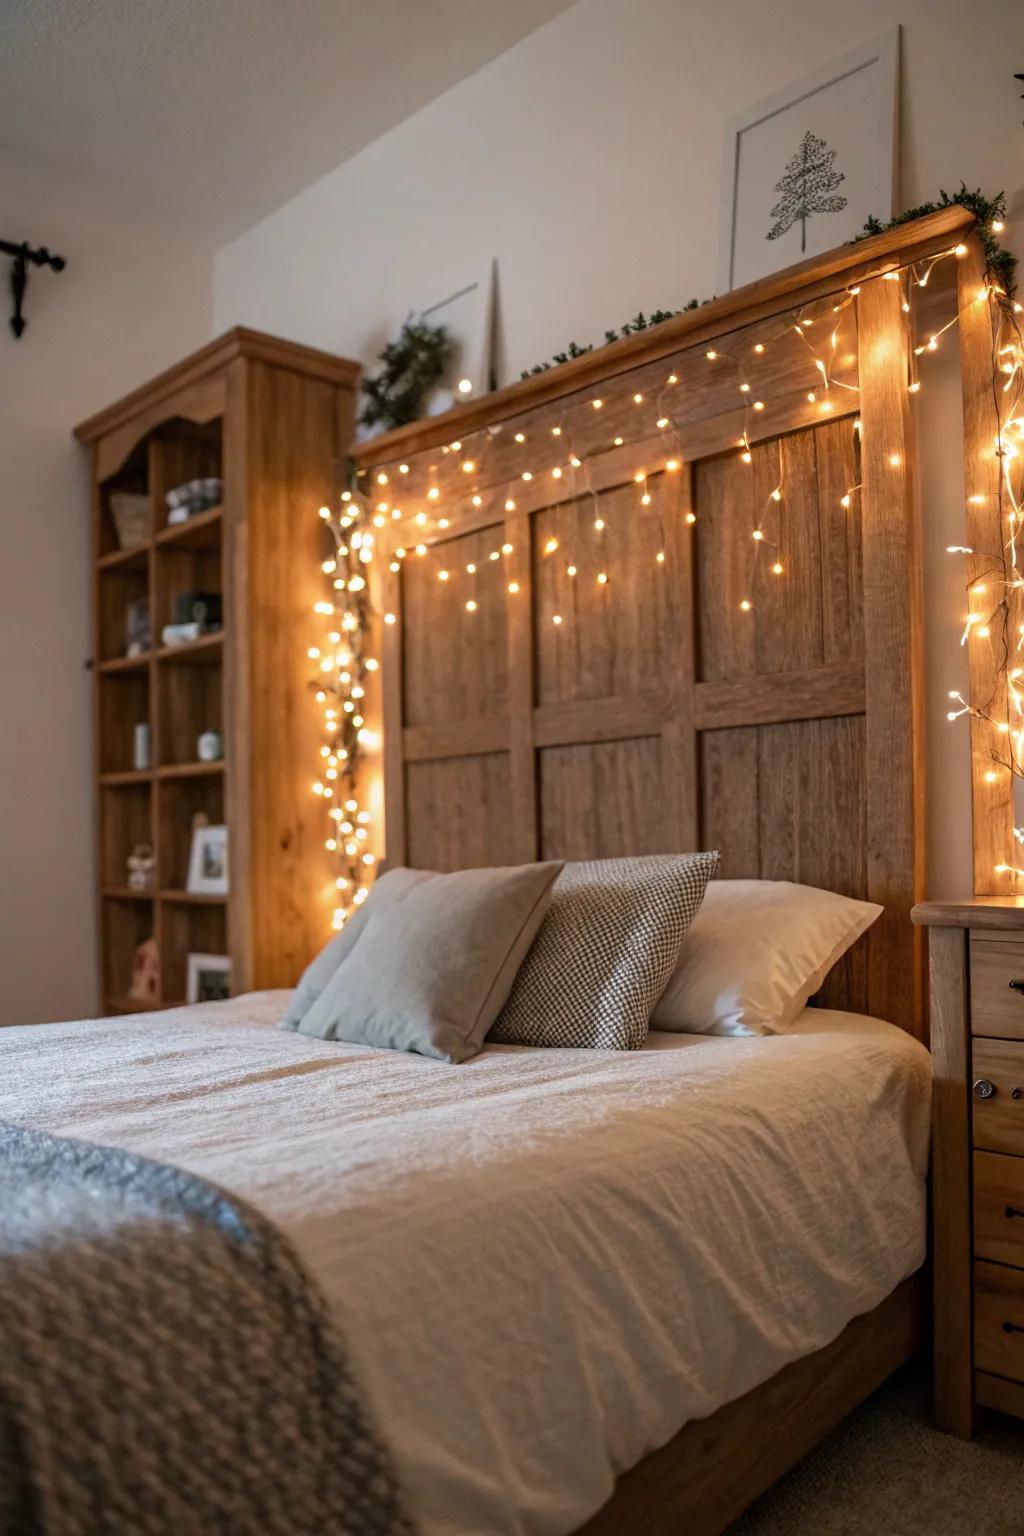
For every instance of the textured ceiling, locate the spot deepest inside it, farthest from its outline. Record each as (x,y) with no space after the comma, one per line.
(202,115)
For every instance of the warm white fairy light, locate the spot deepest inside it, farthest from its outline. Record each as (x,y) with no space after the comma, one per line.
(341,689)
(996,623)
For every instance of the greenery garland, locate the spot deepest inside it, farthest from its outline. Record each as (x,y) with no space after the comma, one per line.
(1000,263)
(640,322)
(413,364)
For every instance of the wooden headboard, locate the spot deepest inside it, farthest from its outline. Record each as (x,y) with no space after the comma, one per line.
(533,709)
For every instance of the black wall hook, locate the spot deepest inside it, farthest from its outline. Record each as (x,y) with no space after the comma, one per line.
(22,254)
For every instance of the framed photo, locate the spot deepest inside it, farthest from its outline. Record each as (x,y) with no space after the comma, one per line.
(804,169)
(208,862)
(208,979)
(138,630)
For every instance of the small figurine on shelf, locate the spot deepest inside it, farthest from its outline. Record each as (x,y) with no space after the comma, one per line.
(141,868)
(145,987)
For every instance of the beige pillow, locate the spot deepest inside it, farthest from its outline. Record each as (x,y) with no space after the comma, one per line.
(435,961)
(320,970)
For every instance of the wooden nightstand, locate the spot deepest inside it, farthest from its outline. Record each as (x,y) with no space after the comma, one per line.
(976,962)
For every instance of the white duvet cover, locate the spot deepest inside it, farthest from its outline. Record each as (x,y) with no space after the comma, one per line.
(543,1262)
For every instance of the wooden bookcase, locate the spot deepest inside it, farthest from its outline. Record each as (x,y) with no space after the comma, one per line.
(272,420)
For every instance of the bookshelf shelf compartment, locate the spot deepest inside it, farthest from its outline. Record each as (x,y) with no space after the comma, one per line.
(119,588)
(179,801)
(123,703)
(185,929)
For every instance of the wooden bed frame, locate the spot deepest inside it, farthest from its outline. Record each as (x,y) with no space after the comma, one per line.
(529,712)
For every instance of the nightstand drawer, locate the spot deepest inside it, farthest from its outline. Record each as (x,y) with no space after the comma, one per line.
(997,1003)
(999,1208)
(997,1078)
(999,1320)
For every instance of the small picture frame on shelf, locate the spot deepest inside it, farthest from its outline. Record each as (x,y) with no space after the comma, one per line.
(208,978)
(138,630)
(208,862)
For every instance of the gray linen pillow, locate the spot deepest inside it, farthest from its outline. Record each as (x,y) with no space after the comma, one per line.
(320,970)
(434,965)
(605,952)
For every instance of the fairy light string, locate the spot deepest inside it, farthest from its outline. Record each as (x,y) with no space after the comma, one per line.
(345,666)
(995,578)
(566,455)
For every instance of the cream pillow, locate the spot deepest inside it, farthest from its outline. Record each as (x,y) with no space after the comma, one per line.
(755,953)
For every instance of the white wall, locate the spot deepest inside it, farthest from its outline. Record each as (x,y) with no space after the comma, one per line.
(127,306)
(587,159)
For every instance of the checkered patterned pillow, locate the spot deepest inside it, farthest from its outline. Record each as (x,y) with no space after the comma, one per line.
(605,952)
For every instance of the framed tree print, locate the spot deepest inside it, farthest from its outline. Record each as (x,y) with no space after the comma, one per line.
(804,169)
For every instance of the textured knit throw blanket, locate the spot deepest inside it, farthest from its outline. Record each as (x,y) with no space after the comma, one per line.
(165,1364)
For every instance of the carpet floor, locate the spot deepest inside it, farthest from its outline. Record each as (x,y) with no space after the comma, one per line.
(886,1472)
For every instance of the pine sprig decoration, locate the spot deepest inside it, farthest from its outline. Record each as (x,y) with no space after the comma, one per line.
(412,365)
(640,322)
(1000,264)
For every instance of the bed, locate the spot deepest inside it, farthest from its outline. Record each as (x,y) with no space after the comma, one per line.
(544,1262)
(599,1291)
(546,694)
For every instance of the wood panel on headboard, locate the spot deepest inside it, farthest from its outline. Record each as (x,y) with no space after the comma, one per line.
(758,695)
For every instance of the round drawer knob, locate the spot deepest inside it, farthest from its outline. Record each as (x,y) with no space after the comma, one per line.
(983,1088)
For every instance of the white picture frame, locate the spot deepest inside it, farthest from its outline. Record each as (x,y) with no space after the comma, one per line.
(200,966)
(208,862)
(467,314)
(849,114)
